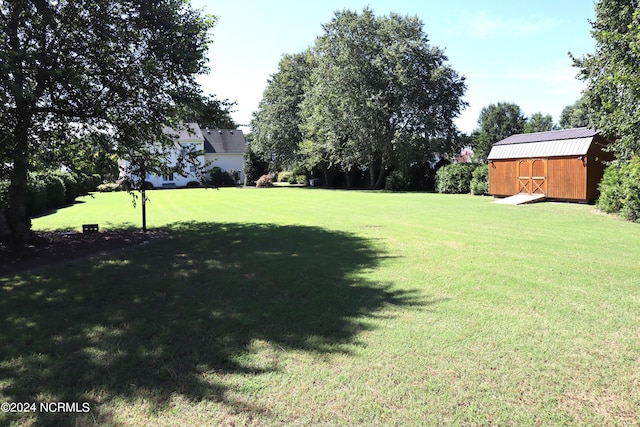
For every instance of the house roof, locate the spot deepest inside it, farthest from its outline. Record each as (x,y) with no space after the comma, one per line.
(224,141)
(567,142)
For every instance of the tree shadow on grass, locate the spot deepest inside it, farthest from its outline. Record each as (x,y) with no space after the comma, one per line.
(166,320)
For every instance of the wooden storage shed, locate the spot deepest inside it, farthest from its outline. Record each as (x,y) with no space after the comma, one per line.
(566,164)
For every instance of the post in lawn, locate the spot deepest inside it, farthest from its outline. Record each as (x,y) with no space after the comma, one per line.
(144,210)
(144,199)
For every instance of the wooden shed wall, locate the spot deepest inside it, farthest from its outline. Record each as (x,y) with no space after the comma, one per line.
(566,178)
(503,178)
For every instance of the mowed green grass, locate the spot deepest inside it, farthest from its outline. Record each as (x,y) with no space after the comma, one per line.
(318,307)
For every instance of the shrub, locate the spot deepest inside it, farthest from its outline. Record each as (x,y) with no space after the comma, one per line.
(480,180)
(455,178)
(234,174)
(396,181)
(36,194)
(286,177)
(264,181)
(84,183)
(70,184)
(219,177)
(620,189)
(109,187)
(193,184)
(302,179)
(215,176)
(56,191)
(96,180)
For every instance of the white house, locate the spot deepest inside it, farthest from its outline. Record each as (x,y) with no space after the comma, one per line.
(222,147)
(225,148)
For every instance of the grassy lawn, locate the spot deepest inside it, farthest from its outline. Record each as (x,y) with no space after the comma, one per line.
(317,307)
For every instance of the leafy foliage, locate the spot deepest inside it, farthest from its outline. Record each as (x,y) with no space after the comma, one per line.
(92,66)
(620,189)
(575,115)
(611,73)
(378,93)
(455,178)
(254,165)
(479,184)
(539,123)
(276,124)
(497,122)
(219,177)
(372,95)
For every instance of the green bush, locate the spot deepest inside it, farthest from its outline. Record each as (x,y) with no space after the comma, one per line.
(286,177)
(219,177)
(455,178)
(620,189)
(397,181)
(96,180)
(302,179)
(56,191)
(36,194)
(109,187)
(70,184)
(84,183)
(480,180)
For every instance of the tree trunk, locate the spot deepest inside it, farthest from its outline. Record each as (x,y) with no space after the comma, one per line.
(372,175)
(376,175)
(347,178)
(18,222)
(5,231)
(381,176)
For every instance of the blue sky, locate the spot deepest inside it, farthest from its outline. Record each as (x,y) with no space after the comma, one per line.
(509,51)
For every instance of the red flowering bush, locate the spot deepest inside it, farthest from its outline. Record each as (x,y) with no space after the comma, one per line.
(264,181)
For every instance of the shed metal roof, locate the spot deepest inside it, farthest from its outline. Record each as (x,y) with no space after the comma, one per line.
(564,134)
(554,148)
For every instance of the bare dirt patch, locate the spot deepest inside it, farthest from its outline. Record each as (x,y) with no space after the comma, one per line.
(51,248)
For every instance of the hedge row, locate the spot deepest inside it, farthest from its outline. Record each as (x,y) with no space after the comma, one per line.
(50,190)
(463,178)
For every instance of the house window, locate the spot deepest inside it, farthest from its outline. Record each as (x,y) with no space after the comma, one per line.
(167,178)
(192,168)
(187,148)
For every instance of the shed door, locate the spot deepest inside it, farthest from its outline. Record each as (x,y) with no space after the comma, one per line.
(532,176)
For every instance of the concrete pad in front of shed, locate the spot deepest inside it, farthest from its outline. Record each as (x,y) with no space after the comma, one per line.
(521,198)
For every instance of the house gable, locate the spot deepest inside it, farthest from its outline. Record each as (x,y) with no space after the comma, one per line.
(224,141)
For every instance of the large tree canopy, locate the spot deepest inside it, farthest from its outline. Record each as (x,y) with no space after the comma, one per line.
(496,122)
(69,67)
(378,92)
(276,124)
(539,123)
(371,94)
(574,115)
(611,73)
